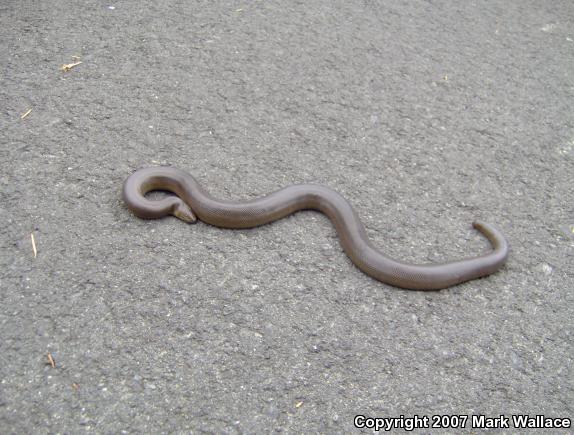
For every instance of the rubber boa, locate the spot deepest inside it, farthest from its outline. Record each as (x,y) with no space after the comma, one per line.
(192,202)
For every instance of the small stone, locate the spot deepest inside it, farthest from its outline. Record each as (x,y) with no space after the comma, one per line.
(546,269)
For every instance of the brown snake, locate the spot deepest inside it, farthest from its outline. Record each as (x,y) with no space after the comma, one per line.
(192,201)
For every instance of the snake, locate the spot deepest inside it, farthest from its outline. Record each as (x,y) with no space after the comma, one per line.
(192,202)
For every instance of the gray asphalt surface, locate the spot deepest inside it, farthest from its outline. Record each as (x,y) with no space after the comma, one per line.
(426,115)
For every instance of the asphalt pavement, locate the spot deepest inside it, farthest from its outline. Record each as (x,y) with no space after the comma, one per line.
(426,115)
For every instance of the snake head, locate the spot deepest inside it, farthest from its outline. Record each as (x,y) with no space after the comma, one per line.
(182,211)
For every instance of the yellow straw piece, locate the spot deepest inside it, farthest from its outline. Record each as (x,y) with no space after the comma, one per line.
(34,245)
(69,66)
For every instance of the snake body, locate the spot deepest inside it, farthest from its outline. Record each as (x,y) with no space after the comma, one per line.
(192,202)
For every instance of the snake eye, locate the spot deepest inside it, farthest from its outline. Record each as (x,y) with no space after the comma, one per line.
(182,211)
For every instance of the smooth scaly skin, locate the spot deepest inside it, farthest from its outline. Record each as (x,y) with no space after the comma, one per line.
(192,201)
